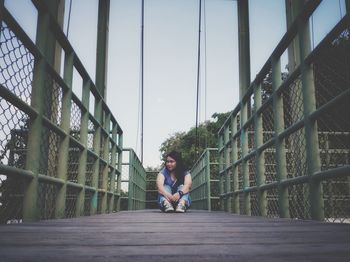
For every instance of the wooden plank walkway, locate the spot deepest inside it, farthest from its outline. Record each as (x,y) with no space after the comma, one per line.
(149,235)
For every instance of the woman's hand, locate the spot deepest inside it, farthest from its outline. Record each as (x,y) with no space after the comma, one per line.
(169,197)
(176,197)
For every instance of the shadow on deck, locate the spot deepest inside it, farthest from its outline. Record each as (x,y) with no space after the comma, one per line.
(149,235)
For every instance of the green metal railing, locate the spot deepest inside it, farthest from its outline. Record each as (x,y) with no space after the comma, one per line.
(60,154)
(151,190)
(285,149)
(133,182)
(205,181)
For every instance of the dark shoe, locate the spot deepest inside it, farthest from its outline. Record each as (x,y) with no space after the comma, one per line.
(167,207)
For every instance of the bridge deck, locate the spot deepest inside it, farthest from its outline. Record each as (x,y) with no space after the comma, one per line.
(195,236)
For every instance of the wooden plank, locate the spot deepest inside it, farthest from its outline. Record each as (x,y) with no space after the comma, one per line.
(149,235)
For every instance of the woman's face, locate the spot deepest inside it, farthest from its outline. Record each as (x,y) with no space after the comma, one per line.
(170,163)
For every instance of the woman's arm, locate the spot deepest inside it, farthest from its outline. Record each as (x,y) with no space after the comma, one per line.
(186,187)
(160,187)
(187,184)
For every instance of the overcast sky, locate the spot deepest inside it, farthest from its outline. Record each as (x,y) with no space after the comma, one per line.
(171,35)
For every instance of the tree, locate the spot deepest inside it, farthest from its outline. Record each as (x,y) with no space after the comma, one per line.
(185,142)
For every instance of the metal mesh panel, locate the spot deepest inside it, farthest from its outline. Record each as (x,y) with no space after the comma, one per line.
(125,172)
(296,154)
(88,202)
(214,188)
(250,134)
(293,103)
(332,69)
(334,136)
(240,176)
(336,195)
(110,152)
(266,87)
(252,171)
(91,134)
(13,135)
(99,202)
(17,65)
(242,210)
(73,163)
(11,199)
(270,165)
(267,118)
(100,175)
(90,161)
(239,147)
(250,106)
(75,121)
(71,202)
(299,204)
(102,146)
(151,185)
(47,195)
(53,100)
(109,199)
(49,147)
(254,204)
(111,179)
(272,202)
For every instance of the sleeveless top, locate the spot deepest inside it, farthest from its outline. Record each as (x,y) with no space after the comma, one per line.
(170,182)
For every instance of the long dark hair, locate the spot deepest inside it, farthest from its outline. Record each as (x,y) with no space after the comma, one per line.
(180,168)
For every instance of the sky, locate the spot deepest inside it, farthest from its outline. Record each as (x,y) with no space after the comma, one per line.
(170,57)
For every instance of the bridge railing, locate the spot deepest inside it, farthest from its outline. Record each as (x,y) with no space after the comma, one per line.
(60,151)
(151,190)
(133,182)
(285,149)
(205,181)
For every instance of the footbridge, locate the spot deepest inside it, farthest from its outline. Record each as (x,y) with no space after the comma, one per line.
(277,187)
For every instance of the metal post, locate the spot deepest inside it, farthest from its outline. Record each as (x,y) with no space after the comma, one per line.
(102,46)
(245,163)
(221,168)
(243,46)
(97,148)
(235,198)
(64,147)
(293,8)
(119,179)
(113,164)
(260,160)
(83,155)
(244,83)
(207,155)
(278,113)
(106,158)
(1,11)
(131,185)
(311,134)
(46,45)
(227,171)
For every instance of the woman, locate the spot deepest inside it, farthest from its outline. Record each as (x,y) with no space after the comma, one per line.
(174,184)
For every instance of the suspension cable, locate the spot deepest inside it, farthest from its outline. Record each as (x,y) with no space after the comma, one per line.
(69,15)
(142,64)
(205,69)
(198,73)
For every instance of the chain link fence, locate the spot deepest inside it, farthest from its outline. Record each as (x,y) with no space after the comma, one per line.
(296,164)
(60,156)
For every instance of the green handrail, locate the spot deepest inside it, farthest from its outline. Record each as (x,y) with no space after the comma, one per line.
(60,152)
(134,176)
(284,151)
(205,183)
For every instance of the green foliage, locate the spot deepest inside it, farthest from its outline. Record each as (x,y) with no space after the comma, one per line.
(185,142)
